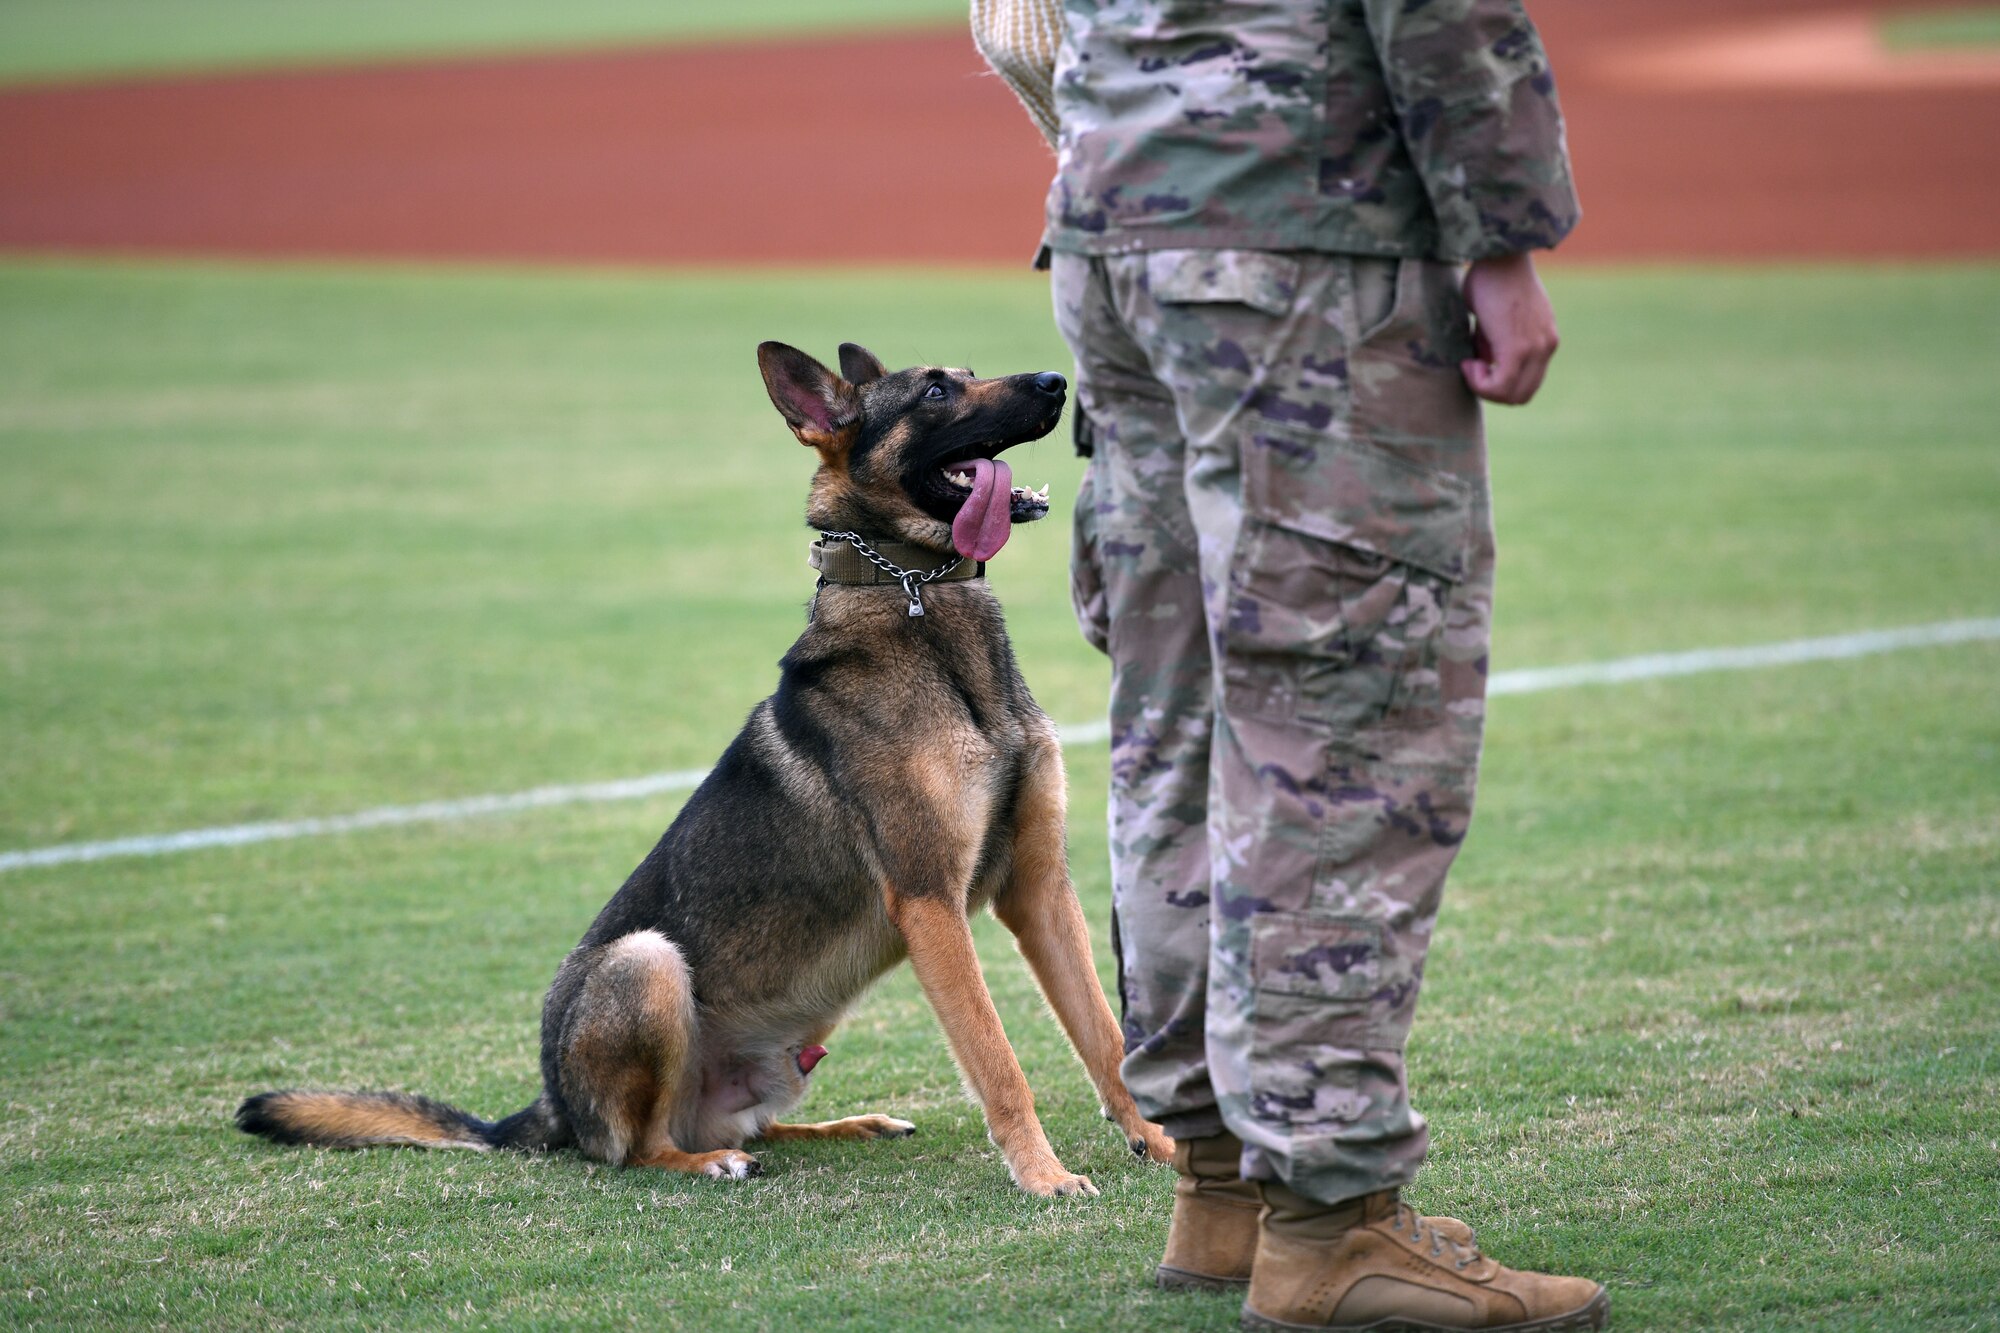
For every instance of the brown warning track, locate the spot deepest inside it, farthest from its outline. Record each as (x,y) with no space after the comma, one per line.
(898,148)
(1781,171)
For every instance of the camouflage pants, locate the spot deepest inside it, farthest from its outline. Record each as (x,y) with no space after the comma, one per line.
(1284,542)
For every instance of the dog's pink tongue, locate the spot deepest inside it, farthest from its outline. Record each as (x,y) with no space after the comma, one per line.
(810,1056)
(982,526)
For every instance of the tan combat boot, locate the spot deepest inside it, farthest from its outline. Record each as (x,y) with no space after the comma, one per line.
(1214,1232)
(1373,1263)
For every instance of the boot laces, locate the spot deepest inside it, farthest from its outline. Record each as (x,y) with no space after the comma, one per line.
(1461,1254)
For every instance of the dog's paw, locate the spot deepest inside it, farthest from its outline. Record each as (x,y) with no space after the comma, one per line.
(1054,1183)
(1152,1144)
(881,1127)
(732,1165)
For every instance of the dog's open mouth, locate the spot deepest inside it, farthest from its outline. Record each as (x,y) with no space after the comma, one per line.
(984,503)
(1024,505)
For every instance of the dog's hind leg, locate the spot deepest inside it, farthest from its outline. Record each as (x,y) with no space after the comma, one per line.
(853,1127)
(626,1048)
(1038,904)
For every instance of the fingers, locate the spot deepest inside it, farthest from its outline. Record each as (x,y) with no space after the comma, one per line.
(1512,372)
(1515,330)
(1481,370)
(1512,377)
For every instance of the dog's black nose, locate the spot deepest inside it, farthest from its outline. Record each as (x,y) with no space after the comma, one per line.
(1050,382)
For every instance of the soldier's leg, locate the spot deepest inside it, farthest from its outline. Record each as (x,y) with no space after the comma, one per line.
(1336,475)
(1139,598)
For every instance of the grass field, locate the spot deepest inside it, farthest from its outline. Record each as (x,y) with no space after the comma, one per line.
(61,39)
(1965,26)
(1714,1010)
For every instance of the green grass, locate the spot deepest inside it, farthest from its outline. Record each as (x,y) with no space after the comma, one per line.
(1712,1007)
(1964,26)
(66,39)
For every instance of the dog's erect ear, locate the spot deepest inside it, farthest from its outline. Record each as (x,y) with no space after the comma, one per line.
(816,403)
(859,364)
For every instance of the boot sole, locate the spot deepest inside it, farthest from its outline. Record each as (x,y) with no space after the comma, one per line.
(1595,1315)
(1180,1279)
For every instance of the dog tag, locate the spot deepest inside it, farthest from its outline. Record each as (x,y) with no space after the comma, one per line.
(916,597)
(916,605)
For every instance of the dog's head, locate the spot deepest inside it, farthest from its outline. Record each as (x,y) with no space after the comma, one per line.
(913,455)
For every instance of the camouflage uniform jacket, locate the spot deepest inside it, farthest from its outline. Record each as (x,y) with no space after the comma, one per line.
(1379,127)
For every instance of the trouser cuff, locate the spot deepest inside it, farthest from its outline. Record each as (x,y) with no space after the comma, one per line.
(1328,1183)
(1203,1124)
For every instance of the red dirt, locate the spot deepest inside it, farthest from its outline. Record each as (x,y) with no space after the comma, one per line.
(1772,173)
(897,148)
(1836,52)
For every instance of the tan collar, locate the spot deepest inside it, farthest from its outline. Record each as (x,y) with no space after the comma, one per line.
(838,562)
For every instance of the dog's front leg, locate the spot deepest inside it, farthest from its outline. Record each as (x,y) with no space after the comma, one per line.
(947,967)
(1038,904)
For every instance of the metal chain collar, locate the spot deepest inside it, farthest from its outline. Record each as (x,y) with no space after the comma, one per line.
(911,580)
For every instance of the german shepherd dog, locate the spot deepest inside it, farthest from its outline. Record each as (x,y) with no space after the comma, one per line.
(900,779)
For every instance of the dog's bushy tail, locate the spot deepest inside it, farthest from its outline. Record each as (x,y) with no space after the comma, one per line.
(370,1119)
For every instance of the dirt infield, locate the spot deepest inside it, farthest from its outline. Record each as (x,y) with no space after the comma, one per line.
(1840,52)
(898,148)
(1781,169)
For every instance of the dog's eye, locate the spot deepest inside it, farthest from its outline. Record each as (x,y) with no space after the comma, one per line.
(935,391)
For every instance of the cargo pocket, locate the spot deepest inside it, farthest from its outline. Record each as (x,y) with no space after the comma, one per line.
(1344,571)
(1413,329)
(1316,955)
(1264,280)
(1086,566)
(1315,979)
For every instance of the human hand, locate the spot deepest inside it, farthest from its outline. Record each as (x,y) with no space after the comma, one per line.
(1514,330)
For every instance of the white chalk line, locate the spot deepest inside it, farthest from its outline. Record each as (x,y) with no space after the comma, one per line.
(1655,665)
(1530,681)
